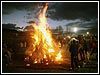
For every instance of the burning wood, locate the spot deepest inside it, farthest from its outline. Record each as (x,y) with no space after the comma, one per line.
(44,48)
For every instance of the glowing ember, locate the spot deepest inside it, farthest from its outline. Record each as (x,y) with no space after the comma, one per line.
(45,56)
(27,64)
(59,56)
(35,61)
(44,48)
(46,63)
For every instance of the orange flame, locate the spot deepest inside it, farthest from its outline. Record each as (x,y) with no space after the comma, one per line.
(58,57)
(44,45)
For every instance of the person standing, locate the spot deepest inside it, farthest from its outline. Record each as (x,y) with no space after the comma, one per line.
(74,54)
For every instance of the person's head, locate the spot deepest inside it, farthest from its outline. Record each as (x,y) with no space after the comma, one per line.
(73,41)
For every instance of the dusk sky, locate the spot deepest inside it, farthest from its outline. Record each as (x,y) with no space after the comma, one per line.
(79,14)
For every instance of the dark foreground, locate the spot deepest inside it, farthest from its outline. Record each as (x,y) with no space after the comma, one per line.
(19,67)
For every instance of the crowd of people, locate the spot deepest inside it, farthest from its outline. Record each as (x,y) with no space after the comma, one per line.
(81,50)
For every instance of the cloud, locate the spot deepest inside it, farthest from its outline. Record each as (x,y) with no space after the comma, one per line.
(74,10)
(85,11)
(85,24)
(57,10)
(9,7)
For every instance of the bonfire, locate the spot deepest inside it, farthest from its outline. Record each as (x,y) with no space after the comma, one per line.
(43,49)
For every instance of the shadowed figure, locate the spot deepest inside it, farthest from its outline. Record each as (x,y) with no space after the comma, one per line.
(74,54)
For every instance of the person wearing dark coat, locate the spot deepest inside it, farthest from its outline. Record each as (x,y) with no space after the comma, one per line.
(74,54)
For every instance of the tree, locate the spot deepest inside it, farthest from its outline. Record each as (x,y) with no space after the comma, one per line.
(11,26)
(8,26)
(59,29)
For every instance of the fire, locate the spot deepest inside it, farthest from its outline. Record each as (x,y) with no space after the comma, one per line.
(51,50)
(59,56)
(44,47)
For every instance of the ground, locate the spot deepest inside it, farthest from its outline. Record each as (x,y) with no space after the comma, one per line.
(19,66)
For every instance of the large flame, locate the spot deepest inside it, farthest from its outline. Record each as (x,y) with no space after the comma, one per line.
(44,47)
